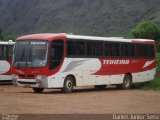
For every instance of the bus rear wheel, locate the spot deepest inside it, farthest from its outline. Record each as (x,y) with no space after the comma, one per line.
(68,85)
(38,90)
(127,83)
(100,86)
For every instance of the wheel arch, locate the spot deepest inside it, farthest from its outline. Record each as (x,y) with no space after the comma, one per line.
(73,77)
(130,76)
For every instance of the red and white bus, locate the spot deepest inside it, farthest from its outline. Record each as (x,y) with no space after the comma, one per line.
(63,61)
(6,51)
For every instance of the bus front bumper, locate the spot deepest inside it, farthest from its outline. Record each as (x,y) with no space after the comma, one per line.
(30,83)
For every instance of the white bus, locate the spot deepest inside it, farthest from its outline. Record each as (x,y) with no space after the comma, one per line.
(63,61)
(6,51)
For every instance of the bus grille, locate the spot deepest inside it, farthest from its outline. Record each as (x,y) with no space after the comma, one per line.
(26,76)
(32,83)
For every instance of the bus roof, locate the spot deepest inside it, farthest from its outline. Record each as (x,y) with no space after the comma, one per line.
(41,36)
(50,36)
(114,39)
(6,43)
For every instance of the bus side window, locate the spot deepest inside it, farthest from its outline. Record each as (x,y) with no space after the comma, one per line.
(108,49)
(138,50)
(3,51)
(151,53)
(56,53)
(94,49)
(127,50)
(115,50)
(75,48)
(145,51)
(112,49)
(10,51)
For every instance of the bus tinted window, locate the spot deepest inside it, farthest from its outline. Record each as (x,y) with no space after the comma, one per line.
(112,49)
(75,48)
(127,50)
(145,51)
(94,49)
(57,50)
(3,51)
(151,52)
(10,51)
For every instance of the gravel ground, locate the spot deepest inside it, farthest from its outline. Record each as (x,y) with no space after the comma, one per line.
(86,100)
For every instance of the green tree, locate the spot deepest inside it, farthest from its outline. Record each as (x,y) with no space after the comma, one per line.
(6,38)
(10,37)
(147,30)
(158,47)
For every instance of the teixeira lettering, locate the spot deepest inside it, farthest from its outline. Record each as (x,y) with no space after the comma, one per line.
(116,62)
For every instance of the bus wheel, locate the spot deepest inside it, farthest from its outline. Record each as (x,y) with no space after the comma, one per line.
(38,90)
(127,82)
(68,85)
(100,86)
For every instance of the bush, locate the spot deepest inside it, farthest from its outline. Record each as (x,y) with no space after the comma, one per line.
(154,84)
(6,38)
(146,30)
(10,37)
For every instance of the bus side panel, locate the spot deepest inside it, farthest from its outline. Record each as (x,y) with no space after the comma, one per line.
(83,70)
(94,71)
(5,70)
(55,81)
(69,67)
(144,76)
(5,77)
(116,79)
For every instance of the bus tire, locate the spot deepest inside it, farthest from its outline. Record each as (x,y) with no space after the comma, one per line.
(68,85)
(38,90)
(100,86)
(127,83)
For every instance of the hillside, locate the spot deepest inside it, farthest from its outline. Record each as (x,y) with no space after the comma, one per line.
(87,17)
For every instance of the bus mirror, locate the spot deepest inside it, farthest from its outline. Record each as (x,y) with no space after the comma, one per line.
(10,42)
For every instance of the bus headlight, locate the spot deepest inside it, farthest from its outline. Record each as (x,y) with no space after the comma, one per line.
(40,78)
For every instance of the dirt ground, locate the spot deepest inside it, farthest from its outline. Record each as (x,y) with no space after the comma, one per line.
(15,100)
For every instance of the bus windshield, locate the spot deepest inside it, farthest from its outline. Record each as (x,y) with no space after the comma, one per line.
(31,53)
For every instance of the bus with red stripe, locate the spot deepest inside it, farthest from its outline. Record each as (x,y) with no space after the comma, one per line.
(6,51)
(47,60)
